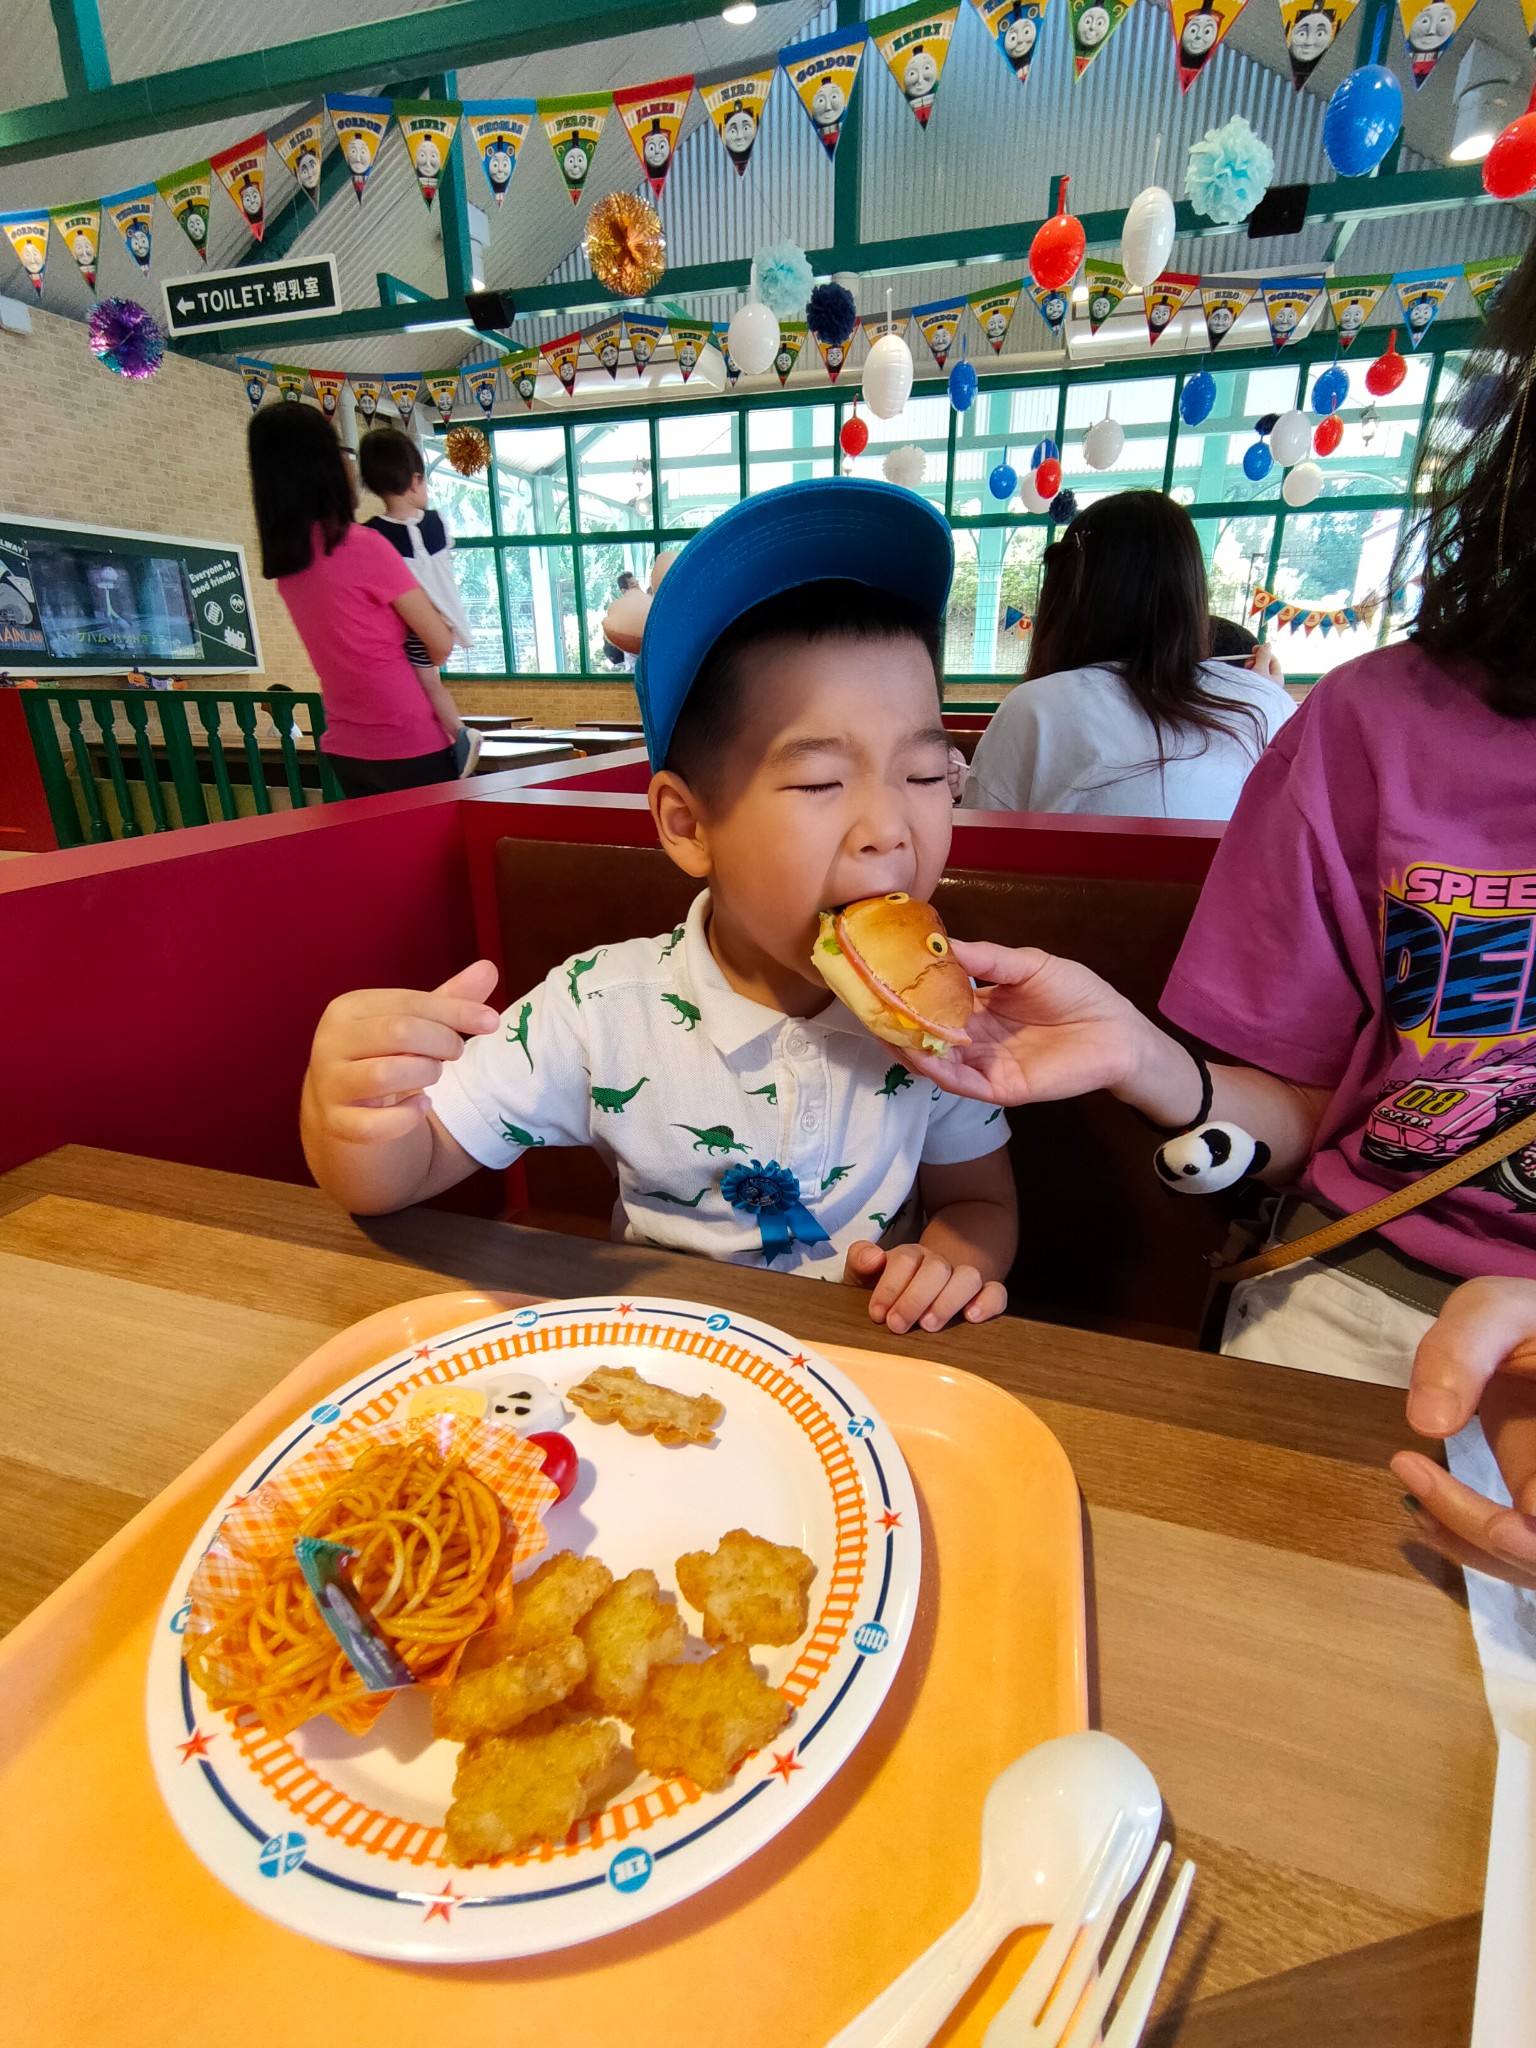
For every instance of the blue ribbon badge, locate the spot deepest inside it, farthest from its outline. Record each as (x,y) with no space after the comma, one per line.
(772,1194)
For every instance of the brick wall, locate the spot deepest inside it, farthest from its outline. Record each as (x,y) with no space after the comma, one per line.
(164,456)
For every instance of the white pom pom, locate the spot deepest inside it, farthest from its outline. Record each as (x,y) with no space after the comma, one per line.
(1205,1161)
(906,466)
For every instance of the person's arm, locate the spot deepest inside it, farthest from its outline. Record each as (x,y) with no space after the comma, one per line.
(420,616)
(1048,1029)
(959,1264)
(1479,1358)
(369,1136)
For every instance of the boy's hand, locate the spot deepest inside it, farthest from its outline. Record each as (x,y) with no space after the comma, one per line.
(912,1283)
(376,1049)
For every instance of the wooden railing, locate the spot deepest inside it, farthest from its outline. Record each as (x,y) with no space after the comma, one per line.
(119,763)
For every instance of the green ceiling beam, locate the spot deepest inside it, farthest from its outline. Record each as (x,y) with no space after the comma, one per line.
(848,164)
(82,46)
(377,54)
(453,202)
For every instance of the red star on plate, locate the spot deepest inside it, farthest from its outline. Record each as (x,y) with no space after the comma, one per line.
(196,1744)
(626,1308)
(799,1361)
(422,1351)
(890,1521)
(785,1764)
(441,1904)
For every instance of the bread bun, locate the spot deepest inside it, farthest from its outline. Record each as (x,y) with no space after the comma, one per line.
(888,959)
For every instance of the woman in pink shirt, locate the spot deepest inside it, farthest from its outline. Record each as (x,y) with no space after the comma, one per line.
(353,600)
(1364,951)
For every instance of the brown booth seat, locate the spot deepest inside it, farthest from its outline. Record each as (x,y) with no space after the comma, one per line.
(1102,1245)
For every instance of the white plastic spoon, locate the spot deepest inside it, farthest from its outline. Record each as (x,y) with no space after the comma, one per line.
(1045,1817)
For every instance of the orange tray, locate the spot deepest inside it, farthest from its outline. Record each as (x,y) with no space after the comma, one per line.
(116,1934)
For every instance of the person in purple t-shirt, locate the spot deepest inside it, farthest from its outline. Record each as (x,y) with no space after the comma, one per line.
(1364,950)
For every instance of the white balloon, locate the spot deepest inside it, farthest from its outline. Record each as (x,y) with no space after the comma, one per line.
(1290,438)
(907,466)
(1102,444)
(1146,239)
(1302,484)
(753,338)
(888,376)
(1029,493)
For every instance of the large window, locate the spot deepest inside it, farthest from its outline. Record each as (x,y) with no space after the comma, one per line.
(568,506)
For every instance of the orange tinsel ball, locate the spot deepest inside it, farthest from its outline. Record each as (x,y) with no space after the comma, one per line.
(468,450)
(625,245)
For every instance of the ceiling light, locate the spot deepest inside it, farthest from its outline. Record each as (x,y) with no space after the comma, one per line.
(740,14)
(1486,102)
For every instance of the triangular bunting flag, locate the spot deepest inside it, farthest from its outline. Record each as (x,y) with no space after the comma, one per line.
(1093,23)
(1422,294)
(403,394)
(689,341)
(822,73)
(480,382)
(605,343)
(361,125)
(1050,304)
(79,227)
(429,127)
(574,125)
(1287,302)
(497,130)
(242,171)
(1483,279)
(328,386)
(643,332)
(1164,297)
(1198,27)
(365,396)
(1429,31)
(938,324)
(132,214)
(256,375)
(291,383)
(1311,28)
(27,234)
(994,309)
(1221,303)
(1014,25)
(443,390)
(300,148)
(523,374)
(735,105)
(653,116)
(914,41)
(834,354)
(1353,300)
(792,335)
(732,367)
(1107,286)
(562,356)
(188,194)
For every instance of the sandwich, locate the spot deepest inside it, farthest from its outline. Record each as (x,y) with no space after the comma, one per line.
(889,960)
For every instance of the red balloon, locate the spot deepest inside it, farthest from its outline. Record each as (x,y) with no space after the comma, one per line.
(854,437)
(1509,168)
(1327,434)
(560,1460)
(1388,370)
(1048,478)
(1058,247)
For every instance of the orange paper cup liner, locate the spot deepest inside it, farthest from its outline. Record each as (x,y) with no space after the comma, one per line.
(261,1527)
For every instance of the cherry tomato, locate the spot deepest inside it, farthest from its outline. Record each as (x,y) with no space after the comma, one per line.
(560,1460)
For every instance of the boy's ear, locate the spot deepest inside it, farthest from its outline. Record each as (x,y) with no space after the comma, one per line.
(680,823)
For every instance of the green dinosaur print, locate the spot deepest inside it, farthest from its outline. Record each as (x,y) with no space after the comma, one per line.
(687,1015)
(771,1091)
(718,1138)
(660,1195)
(672,944)
(884,1222)
(896,1078)
(578,968)
(614,1099)
(992,1119)
(938,1094)
(518,1034)
(838,1173)
(516,1135)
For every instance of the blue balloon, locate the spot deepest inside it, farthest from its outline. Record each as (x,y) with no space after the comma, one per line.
(1257,463)
(1363,120)
(962,386)
(1197,398)
(1330,390)
(1045,451)
(1003,481)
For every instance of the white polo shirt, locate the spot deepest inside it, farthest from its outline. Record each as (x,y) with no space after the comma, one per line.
(646,1053)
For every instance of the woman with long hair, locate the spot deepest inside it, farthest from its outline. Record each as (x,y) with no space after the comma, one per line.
(1364,954)
(353,600)
(1123,712)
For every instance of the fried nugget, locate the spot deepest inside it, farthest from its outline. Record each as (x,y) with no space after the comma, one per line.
(702,1719)
(748,1589)
(514,1790)
(546,1607)
(494,1701)
(616,1393)
(630,1629)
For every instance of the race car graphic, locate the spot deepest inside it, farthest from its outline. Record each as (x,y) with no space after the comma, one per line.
(1420,1126)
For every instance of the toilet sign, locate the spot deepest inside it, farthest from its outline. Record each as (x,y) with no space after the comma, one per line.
(257,294)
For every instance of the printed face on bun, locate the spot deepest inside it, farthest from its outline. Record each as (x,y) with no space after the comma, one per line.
(888,959)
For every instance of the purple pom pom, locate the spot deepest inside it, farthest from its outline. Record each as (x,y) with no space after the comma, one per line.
(1064,507)
(831,314)
(126,338)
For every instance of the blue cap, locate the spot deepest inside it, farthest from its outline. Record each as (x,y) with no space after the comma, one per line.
(848,529)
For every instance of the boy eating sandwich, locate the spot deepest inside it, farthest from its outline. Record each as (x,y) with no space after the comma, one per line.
(788,683)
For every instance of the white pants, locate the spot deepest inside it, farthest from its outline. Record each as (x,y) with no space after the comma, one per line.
(1315,1319)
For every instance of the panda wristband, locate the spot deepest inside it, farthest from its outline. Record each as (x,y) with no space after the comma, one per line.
(1203,1158)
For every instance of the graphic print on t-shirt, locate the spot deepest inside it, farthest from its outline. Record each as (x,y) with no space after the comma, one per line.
(1459,978)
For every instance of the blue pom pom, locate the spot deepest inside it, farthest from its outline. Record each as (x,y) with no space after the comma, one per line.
(1197,398)
(831,314)
(1257,463)
(1265,423)
(1229,172)
(1064,507)
(782,279)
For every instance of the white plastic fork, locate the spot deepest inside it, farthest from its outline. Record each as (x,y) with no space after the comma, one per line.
(1028,2021)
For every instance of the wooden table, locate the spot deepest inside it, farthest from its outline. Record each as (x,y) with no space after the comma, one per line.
(1306,1693)
(517,751)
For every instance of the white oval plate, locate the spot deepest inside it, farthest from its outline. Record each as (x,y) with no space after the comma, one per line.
(340,1837)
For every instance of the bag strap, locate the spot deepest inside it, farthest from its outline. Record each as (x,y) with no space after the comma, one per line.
(1464,1167)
